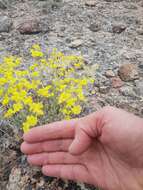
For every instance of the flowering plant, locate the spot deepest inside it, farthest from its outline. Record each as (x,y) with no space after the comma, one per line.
(46,89)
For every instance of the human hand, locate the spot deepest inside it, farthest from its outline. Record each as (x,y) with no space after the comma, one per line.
(104,149)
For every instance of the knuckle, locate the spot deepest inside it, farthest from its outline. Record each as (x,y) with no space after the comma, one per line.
(74,173)
(62,172)
(60,145)
(46,159)
(44,146)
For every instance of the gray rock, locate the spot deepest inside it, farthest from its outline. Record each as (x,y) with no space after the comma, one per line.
(16,180)
(5,24)
(127,91)
(141,68)
(90,3)
(109,73)
(76,43)
(139,88)
(131,6)
(113,0)
(94,27)
(140,30)
(104,89)
(118,28)
(3,4)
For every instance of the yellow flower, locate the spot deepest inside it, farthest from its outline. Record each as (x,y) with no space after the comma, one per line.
(31,121)
(76,110)
(67,117)
(81,96)
(64,97)
(9,113)
(9,60)
(12,81)
(18,61)
(61,87)
(44,61)
(25,127)
(5,100)
(35,53)
(3,81)
(17,107)
(44,91)
(35,84)
(91,80)
(33,67)
(18,96)
(36,108)
(36,46)
(28,100)
(67,112)
(51,83)
(77,65)
(35,74)
(70,70)
(71,102)
(1,92)
(21,73)
(84,82)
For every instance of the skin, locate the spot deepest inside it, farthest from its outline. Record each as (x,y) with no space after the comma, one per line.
(104,149)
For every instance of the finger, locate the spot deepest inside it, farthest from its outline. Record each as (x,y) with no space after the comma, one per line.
(81,138)
(57,130)
(46,146)
(88,130)
(53,158)
(71,172)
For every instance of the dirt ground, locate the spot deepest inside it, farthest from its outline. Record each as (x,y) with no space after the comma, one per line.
(105,32)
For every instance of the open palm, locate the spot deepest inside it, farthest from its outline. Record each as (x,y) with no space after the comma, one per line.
(104,149)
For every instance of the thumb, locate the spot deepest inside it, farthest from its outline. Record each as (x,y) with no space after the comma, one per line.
(85,133)
(81,142)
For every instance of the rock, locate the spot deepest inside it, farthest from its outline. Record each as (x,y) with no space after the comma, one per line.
(131,6)
(140,31)
(128,72)
(29,27)
(118,28)
(3,5)
(127,91)
(117,82)
(109,73)
(103,85)
(90,3)
(48,5)
(114,0)
(76,43)
(141,68)
(40,184)
(16,180)
(139,88)
(94,27)
(5,24)
(104,89)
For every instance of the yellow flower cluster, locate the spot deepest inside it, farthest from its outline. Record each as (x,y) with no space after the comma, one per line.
(36,51)
(50,84)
